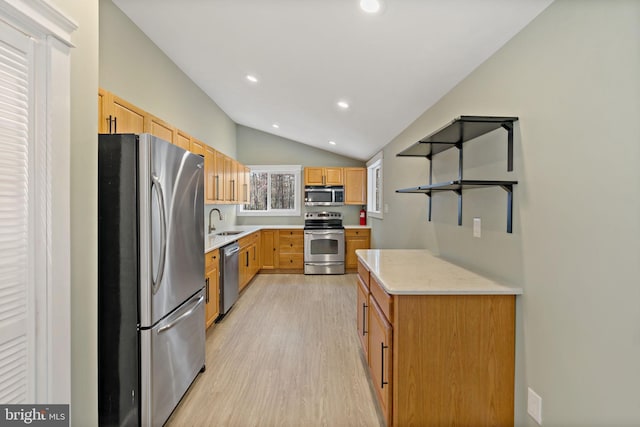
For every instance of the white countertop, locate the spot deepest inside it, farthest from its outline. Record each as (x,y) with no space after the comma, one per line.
(418,272)
(213,241)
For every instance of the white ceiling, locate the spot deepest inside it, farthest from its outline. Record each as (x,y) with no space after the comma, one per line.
(308,54)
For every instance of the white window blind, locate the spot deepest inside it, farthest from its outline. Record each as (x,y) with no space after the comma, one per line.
(16,280)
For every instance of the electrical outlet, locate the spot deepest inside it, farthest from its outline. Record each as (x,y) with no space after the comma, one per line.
(477,227)
(534,406)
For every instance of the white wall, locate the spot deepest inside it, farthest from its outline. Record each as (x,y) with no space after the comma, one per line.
(134,68)
(255,147)
(84,215)
(572,78)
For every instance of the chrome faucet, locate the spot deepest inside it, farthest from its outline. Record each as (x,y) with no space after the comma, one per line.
(211,226)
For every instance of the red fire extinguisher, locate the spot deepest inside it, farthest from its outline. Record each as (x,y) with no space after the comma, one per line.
(363,217)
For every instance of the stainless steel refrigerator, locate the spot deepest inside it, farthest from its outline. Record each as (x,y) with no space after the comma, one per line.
(151,277)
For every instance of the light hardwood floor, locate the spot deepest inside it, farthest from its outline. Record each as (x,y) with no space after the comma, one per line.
(287,354)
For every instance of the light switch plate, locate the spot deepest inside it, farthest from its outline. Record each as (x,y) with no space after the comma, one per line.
(477,227)
(534,405)
(386,208)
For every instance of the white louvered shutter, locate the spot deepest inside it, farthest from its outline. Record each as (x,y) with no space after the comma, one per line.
(16,240)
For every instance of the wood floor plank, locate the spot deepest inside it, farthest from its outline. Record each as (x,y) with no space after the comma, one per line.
(286,355)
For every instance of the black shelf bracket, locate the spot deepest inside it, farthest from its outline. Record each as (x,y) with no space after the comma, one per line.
(509,189)
(509,127)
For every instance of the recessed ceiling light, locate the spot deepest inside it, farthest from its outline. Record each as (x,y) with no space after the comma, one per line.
(343,104)
(252,78)
(276,126)
(332,142)
(370,6)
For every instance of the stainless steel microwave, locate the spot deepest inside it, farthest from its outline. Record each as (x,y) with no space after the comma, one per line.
(324,196)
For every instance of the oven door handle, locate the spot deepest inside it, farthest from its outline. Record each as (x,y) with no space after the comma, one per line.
(324,263)
(324,232)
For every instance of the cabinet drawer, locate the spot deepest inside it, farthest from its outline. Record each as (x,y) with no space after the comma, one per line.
(248,240)
(291,241)
(384,300)
(291,261)
(356,232)
(211,259)
(363,273)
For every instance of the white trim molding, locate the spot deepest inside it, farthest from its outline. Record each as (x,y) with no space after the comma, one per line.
(49,140)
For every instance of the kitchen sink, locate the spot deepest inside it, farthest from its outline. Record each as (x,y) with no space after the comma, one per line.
(228,233)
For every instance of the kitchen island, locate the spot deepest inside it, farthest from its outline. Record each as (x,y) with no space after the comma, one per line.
(439,340)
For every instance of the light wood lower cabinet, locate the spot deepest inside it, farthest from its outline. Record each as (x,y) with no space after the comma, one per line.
(248,258)
(355,239)
(291,249)
(212,286)
(363,316)
(439,359)
(269,249)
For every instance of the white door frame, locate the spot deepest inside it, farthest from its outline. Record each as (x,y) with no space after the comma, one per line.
(49,297)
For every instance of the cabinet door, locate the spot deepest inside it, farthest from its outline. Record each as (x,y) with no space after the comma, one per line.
(245,188)
(160,129)
(182,140)
(127,118)
(333,176)
(380,354)
(243,268)
(355,239)
(209,174)
(362,320)
(355,186)
(103,114)
(313,176)
(219,177)
(269,249)
(196,147)
(212,288)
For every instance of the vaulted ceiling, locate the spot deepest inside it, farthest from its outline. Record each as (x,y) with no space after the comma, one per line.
(308,55)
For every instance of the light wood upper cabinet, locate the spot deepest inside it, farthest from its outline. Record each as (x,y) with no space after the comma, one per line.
(197,147)
(119,116)
(126,117)
(103,126)
(182,140)
(209,175)
(226,180)
(160,129)
(355,186)
(323,176)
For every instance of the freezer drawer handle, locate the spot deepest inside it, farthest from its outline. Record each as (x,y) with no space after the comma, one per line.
(155,184)
(182,316)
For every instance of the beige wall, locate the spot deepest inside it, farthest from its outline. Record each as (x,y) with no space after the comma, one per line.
(134,68)
(260,148)
(572,78)
(84,216)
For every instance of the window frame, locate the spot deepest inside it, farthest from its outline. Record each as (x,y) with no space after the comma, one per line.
(271,169)
(375,163)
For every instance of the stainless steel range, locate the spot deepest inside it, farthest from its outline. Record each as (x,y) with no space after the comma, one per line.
(323,243)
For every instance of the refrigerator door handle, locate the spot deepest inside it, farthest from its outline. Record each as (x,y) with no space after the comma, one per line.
(155,184)
(182,316)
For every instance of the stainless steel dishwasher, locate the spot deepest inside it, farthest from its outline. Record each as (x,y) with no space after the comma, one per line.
(229,277)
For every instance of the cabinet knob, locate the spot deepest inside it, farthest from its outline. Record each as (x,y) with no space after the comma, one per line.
(291,244)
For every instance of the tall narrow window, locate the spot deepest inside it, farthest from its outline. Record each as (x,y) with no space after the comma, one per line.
(374,183)
(275,191)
